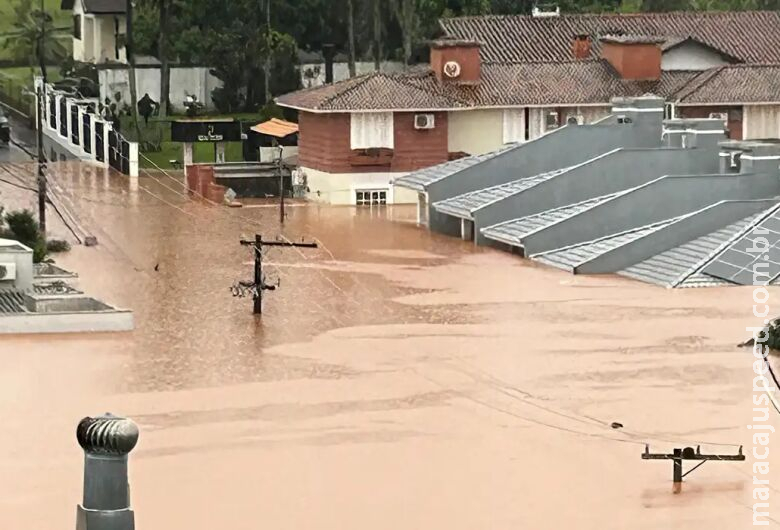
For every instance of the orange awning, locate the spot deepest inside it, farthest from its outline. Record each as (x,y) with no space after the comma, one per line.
(277,128)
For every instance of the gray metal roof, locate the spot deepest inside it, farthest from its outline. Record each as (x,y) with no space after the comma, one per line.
(742,263)
(11,302)
(678,266)
(568,258)
(420,180)
(514,231)
(463,205)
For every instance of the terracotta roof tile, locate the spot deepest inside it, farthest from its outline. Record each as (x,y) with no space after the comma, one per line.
(751,36)
(734,84)
(567,83)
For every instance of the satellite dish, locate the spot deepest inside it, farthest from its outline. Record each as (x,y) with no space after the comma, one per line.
(451,69)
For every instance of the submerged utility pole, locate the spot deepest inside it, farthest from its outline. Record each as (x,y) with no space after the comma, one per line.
(258,285)
(677,457)
(281,185)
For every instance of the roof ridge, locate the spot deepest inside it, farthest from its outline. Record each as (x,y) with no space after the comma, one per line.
(653,14)
(697,82)
(358,82)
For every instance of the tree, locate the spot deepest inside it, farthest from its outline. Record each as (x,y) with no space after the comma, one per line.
(351,37)
(406,14)
(377,18)
(162,54)
(33,31)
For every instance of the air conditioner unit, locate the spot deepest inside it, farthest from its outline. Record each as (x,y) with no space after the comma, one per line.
(575,120)
(424,121)
(7,271)
(719,115)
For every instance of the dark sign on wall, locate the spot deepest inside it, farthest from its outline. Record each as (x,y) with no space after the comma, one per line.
(206,131)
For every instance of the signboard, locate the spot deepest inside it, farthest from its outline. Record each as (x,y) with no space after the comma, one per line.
(205,131)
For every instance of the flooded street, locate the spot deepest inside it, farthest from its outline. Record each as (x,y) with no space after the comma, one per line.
(397,379)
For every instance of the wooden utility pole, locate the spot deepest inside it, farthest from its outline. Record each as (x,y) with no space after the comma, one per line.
(259,285)
(281,185)
(40,95)
(689,453)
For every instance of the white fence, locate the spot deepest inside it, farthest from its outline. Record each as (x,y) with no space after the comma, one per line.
(76,125)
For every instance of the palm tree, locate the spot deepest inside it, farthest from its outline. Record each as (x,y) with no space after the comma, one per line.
(34,37)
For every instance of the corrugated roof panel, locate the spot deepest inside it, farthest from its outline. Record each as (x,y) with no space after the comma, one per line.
(419,180)
(568,258)
(512,232)
(11,302)
(669,267)
(741,263)
(463,205)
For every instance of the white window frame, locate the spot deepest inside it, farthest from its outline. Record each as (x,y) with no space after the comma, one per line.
(371,196)
(370,130)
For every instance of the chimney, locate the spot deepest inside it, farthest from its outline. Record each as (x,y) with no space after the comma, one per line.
(637,58)
(581,47)
(328,53)
(456,61)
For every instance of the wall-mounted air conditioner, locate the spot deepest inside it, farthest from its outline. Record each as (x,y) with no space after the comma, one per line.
(424,121)
(7,271)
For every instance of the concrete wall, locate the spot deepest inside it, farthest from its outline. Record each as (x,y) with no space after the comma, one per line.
(567,146)
(657,201)
(475,131)
(67,322)
(706,221)
(195,80)
(339,188)
(313,74)
(610,173)
(761,121)
(691,56)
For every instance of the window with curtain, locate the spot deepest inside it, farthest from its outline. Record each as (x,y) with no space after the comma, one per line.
(371,129)
(514,125)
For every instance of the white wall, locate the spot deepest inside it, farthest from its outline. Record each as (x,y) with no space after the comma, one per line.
(184,80)
(475,131)
(339,188)
(98,37)
(690,56)
(24,268)
(86,34)
(341,71)
(761,121)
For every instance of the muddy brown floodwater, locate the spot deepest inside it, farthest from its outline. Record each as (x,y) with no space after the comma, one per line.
(397,380)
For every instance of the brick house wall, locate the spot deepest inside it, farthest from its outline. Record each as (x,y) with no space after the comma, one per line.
(734,123)
(324,144)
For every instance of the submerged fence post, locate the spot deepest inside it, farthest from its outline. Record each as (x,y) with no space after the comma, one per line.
(106,440)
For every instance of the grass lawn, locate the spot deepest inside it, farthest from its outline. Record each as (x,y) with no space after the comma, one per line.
(203,152)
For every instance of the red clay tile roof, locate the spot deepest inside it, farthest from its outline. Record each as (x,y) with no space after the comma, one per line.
(529,61)
(502,85)
(751,36)
(738,83)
